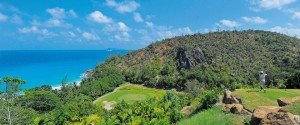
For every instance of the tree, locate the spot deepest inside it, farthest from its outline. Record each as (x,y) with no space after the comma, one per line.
(74,110)
(39,100)
(11,92)
(208,99)
(64,89)
(293,82)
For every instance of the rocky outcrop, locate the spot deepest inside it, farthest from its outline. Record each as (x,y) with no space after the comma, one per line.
(229,98)
(183,59)
(273,115)
(284,102)
(261,112)
(279,118)
(237,109)
(199,55)
(190,57)
(233,104)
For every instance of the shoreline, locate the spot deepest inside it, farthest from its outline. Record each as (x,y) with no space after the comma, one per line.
(86,74)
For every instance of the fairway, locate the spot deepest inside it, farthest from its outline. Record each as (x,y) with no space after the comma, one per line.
(130,93)
(253,97)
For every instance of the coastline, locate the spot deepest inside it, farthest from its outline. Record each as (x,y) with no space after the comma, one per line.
(86,74)
(43,67)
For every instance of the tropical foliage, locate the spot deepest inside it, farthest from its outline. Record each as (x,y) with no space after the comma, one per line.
(199,64)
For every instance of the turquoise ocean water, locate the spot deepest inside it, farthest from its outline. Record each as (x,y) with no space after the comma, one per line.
(50,67)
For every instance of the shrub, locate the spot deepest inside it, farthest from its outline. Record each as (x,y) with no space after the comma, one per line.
(294,81)
(39,100)
(234,86)
(171,97)
(208,99)
(167,82)
(194,87)
(168,69)
(152,82)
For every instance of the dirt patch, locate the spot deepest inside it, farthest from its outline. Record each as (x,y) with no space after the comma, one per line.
(108,105)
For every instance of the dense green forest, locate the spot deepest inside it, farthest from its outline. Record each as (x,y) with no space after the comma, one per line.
(200,65)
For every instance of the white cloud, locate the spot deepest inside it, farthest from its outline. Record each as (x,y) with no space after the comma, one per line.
(72,13)
(35,30)
(207,30)
(28,29)
(255,20)
(116,27)
(174,32)
(90,36)
(54,22)
(123,27)
(149,24)
(46,32)
(157,32)
(57,23)
(126,6)
(58,17)
(122,36)
(3,17)
(296,15)
(229,23)
(271,4)
(120,31)
(287,31)
(71,34)
(16,19)
(290,24)
(137,17)
(68,34)
(58,13)
(98,17)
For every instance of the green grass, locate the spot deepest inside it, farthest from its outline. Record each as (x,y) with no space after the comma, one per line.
(213,116)
(252,97)
(131,93)
(295,108)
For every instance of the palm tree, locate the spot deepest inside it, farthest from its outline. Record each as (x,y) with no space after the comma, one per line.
(10,93)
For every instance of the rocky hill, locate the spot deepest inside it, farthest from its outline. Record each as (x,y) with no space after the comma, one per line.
(218,59)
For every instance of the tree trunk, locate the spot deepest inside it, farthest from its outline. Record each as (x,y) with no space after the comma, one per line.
(9,116)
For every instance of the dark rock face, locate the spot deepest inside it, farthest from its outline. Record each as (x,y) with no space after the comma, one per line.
(188,57)
(283,102)
(183,59)
(199,55)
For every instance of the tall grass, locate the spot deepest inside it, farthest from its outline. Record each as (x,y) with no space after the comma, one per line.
(213,116)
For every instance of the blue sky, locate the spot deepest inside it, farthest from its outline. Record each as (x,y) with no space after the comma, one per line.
(133,24)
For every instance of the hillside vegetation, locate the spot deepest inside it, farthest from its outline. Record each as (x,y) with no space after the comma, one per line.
(201,66)
(224,59)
